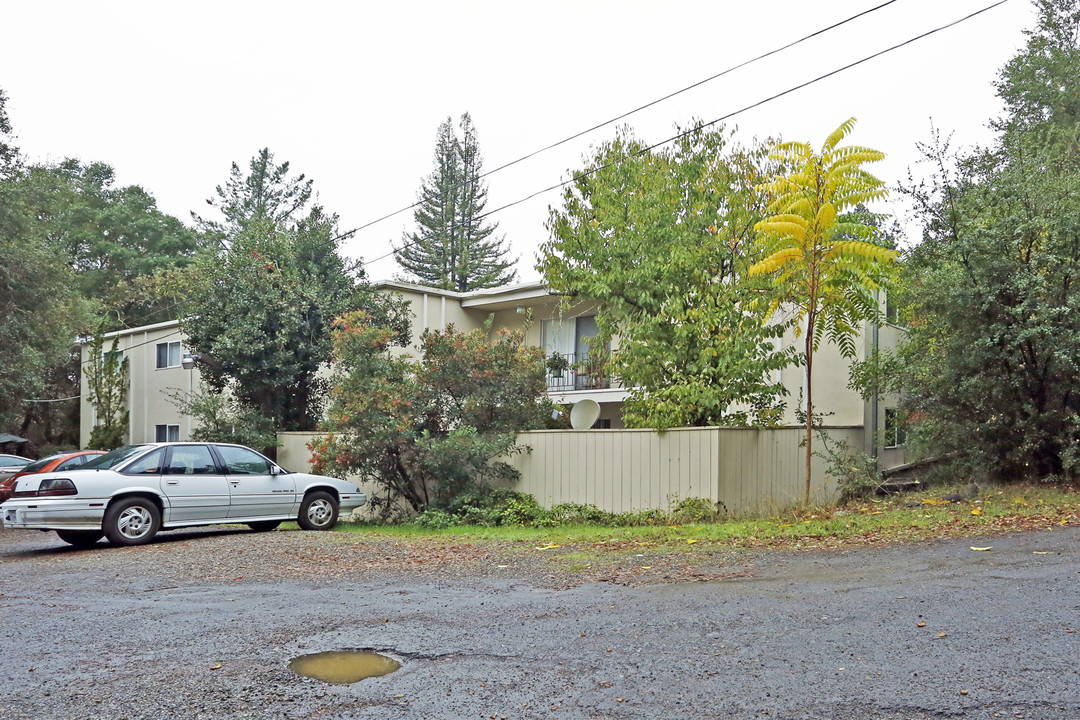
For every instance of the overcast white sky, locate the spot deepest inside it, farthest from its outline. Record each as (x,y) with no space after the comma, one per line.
(351,93)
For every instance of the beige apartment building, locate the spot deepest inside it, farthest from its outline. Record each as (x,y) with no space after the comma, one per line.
(155,352)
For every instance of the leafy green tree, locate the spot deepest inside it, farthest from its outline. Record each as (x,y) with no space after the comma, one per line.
(111,236)
(426,431)
(41,310)
(260,316)
(50,420)
(992,362)
(660,240)
(823,264)
(220,417)
(107,387)
(454,247)
(259,309)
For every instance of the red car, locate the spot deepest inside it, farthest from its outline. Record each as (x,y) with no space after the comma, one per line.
(59,461)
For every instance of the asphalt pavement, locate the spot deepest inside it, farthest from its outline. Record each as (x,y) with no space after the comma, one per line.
(904,632)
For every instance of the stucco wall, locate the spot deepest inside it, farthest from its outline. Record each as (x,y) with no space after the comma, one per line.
(148,403)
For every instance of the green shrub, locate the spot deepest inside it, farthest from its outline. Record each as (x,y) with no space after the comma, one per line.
(577,514)
(522,509)
(641,518)
(435,519)
(491,507)
(694,510)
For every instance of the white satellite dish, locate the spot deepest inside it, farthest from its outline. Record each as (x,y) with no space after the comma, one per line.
(584,414)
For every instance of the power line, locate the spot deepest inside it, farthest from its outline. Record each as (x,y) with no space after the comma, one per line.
(593,171)
(627,114)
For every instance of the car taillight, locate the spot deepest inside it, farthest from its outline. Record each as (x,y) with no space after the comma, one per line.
(50,487)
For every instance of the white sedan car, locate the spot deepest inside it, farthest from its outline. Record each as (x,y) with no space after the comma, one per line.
(127,495)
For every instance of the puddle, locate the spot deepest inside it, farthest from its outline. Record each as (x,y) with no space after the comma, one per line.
(341,667)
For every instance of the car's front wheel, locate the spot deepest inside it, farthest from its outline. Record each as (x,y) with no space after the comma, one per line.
(319,511)
(132,522)
(80,538)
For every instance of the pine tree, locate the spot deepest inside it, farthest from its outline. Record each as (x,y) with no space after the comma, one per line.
(453,247)
(266,191)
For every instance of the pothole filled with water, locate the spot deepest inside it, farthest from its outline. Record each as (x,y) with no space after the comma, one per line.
(341,667)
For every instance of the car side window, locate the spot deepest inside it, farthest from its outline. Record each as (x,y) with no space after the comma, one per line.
(241,461)
(149,464)
(191,460)
(73,462)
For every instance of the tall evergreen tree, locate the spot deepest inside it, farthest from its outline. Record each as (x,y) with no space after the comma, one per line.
(453,247)
(265,192)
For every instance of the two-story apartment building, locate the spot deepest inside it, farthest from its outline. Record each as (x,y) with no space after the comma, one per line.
(155,354)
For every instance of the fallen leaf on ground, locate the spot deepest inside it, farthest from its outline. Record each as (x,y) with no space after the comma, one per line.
(921,624)
(982,549)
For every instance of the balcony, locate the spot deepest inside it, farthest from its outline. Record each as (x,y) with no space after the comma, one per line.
(574,371)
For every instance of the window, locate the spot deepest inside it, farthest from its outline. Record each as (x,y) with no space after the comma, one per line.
(568,345)
(192,460)
(74,462)
(241,461)
(890,310)
(895,435)
(113,359)
(168,354)
(166,433)
(149,464)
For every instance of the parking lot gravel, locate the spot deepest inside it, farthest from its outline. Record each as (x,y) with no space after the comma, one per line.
(203,624)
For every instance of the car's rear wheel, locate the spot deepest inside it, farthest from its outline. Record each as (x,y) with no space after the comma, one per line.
(319,511)
(264,525)
(80,538)
(133,521)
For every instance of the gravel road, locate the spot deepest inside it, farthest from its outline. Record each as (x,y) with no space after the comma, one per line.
(202,624)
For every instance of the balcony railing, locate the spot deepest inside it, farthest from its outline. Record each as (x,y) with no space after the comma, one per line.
(582,371)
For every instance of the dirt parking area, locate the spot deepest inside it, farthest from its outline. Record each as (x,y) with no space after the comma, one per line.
(203,624)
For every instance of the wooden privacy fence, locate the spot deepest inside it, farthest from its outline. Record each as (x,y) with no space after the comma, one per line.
(746,469)
(622,470)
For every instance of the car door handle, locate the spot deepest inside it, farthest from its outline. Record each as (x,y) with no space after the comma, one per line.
(172,482)
(234,483)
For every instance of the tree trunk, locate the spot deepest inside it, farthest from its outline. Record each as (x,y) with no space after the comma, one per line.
(811,321)
(809,411)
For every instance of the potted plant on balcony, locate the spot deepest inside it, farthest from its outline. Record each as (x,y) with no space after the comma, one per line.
(557,364)
(591,370)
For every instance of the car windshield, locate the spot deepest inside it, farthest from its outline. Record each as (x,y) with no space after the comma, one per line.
(37,465)
(114,457)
